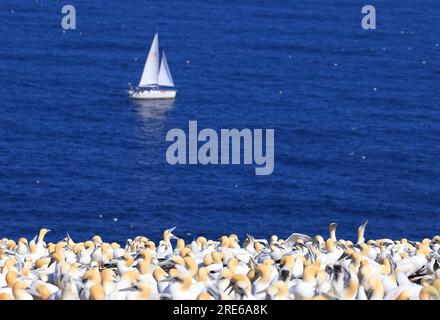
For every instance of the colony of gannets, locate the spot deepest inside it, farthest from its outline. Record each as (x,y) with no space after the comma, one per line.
(299,267)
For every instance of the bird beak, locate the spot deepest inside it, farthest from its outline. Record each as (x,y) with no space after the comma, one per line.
(52,260)
(129,288)
(168,279)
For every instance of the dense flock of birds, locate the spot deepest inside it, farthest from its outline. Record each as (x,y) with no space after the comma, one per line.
(299,267)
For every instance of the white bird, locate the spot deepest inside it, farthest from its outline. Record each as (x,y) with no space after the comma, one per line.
(306,287)
(300,267)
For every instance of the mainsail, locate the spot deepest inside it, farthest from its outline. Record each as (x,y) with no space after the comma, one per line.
(151,69)
(164,78)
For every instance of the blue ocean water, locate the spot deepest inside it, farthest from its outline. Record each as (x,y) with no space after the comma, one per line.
(356,116)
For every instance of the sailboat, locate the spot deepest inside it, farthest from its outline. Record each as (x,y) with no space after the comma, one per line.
(156,81)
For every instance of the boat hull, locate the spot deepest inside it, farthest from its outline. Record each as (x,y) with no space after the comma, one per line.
(152,94)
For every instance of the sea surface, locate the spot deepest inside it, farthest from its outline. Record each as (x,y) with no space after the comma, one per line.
(356,115)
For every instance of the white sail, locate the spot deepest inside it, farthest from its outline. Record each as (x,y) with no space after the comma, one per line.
(165,78)
(151,69)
